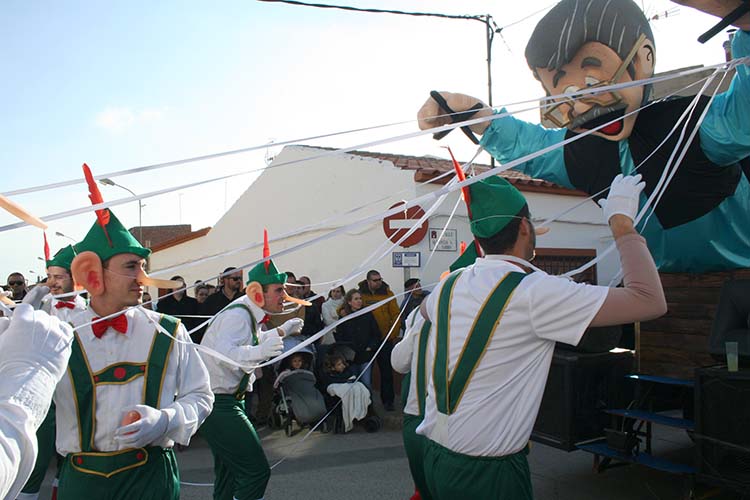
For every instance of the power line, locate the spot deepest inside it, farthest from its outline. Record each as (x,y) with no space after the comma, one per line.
(380,11)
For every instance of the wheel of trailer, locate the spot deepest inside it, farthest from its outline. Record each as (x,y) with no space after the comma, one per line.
(288,426)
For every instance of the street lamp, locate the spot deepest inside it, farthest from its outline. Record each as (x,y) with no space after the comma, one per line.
(109,182)
(61,235)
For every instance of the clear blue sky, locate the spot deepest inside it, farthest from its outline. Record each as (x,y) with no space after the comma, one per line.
(124,84)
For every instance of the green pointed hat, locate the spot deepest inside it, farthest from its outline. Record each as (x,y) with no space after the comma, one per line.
(265,276)
(63,258)
(467,258)
(494,203)
(114,241)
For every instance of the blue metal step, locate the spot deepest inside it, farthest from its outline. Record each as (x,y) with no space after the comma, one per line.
(662,380)
(641,458)
(657,418)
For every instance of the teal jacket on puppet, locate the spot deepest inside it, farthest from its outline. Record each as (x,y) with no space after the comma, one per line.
(702,222)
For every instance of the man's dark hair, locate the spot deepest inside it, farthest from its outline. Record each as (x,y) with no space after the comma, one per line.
(410,282)
(228,269)
(290,274)
(559,35)
(174,278)
(371,273)
(14,274)
(502,241)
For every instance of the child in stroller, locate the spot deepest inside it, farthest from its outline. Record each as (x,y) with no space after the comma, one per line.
(296,397)
(338,380)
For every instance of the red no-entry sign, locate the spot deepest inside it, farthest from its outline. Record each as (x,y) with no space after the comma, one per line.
(398,224)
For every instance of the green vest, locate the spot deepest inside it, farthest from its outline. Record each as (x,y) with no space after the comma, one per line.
(450,389)
(245,380)
(84,383)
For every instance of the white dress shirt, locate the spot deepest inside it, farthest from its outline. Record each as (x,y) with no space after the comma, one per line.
(186,392)
(497,411)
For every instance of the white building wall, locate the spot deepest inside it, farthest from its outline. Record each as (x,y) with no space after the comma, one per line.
(338,190)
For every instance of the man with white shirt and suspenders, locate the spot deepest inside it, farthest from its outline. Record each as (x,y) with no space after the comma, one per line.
(238,332)
(494,328)
(131,391)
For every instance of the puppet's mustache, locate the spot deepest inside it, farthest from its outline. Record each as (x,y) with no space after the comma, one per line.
(597,115)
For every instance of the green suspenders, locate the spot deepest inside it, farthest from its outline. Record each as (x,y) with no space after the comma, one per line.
(449,390)
(245,380)
(424,336)
(84,381)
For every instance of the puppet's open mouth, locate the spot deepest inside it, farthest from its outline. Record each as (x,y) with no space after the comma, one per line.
(597,116)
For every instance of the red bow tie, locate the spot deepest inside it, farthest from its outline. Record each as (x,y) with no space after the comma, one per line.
(265,319)
(61,303)
(119,323)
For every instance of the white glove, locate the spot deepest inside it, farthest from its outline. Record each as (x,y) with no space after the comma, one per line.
(623,197)
(149,429)
(35,296)
(291,327)
(272,345)
(34,353)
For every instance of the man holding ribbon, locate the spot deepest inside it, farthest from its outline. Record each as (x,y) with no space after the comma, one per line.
(239,333)
(495,327)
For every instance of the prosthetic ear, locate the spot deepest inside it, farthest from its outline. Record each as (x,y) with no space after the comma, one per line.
(87,270)
(254,292)
(645,61)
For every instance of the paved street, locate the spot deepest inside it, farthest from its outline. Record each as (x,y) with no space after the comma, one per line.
(373,467)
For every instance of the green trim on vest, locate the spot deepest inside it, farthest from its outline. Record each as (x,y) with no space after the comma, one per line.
(424,336)
(158,359)
(84,394)
(119,373)
(108,464)
(245,380)
(450,391)
(84,382)
(441,355)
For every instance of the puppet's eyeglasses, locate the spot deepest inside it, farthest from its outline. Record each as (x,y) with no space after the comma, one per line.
(559,113)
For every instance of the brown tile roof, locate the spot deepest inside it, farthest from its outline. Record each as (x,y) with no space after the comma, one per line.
(182,238)
(427,168)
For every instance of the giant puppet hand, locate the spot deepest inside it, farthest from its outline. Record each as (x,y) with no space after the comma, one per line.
(719,8)
(432,115)
(34,352)
(147,430)
(624,194)
(291,327)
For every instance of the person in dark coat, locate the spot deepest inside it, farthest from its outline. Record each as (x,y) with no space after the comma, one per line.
(361,333)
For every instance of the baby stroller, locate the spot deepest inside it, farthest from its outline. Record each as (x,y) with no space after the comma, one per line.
(335,421)
(296,397)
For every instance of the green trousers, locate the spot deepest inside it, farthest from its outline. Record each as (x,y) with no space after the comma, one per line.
(414,445)
(240,466)
(452,475)
(157,479)
(45,438)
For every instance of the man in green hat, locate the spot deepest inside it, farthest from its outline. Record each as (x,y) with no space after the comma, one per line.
(60,282)
(238,331)
(131,391)
(495,327)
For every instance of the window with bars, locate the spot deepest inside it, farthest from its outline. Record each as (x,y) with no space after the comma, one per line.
(561,260)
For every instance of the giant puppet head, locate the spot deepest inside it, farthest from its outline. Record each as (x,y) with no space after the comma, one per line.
(581,44)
